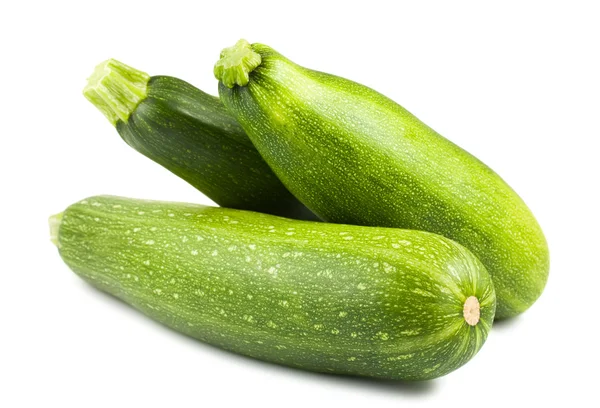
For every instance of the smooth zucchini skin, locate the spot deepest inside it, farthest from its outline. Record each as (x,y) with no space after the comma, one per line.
(192,134)
(354,300)
(353,156)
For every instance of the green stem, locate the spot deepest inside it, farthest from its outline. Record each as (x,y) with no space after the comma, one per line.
(116,89)
(236,63)
(54,222)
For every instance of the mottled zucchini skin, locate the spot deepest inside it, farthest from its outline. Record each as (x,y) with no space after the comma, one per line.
(191,134)
(354,156)
(365,301)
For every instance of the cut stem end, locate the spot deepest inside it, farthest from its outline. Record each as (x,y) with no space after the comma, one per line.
(471,311)
(236,64)
(116,89)
(54,223)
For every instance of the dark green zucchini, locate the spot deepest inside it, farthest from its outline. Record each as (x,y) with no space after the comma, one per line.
(191,134)
(367,301)
(354,156)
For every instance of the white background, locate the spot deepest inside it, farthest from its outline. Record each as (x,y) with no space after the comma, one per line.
(517,84)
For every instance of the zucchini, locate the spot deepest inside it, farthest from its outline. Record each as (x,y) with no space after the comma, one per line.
(353,156)
(191,134)
(367,301)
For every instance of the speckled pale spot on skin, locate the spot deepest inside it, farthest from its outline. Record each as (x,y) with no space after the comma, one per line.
(141,213)
(194,252)
(361,286)
(214,253)
(400,357)
(137,229)
(383,336)
(146,262)
(149,242)
(96,204)
(171,215)
(388,268)
(343,314)
(252,247)
(335,331)
(435,367)
(423,292)
(352,358)
(158,291)
(176,295)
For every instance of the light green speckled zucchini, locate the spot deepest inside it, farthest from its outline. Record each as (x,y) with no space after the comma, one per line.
(353,156)
(367,301)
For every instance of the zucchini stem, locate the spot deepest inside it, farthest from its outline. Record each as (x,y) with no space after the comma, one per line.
(54,222)
(116,89)
(236,64)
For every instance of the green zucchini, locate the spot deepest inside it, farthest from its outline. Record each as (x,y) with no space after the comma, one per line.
(367,301)
(191,134)
(353,156)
